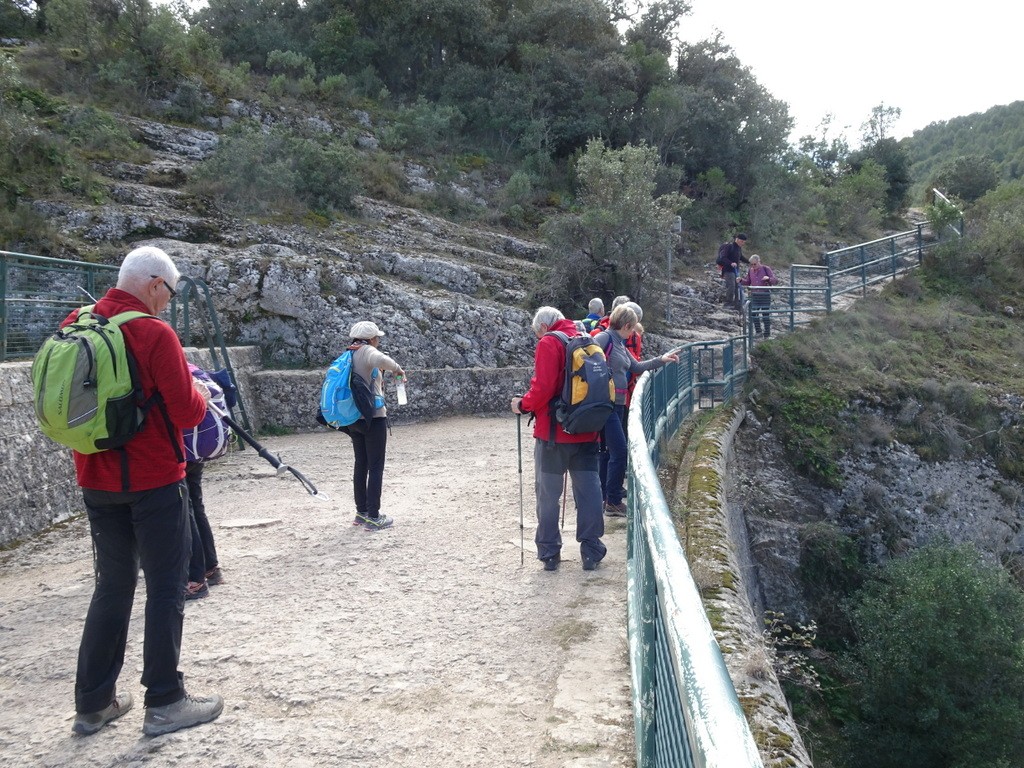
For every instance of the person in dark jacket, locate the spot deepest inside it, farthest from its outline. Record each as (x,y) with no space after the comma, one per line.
(141,518)
(576,454)
(730,256)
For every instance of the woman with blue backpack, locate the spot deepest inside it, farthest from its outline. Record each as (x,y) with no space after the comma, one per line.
(354,379)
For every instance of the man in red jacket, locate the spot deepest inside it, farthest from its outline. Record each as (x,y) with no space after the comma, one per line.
(576,454)
(138,515)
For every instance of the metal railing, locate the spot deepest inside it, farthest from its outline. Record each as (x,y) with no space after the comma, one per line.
(38,292)
(813,289)
(685,709)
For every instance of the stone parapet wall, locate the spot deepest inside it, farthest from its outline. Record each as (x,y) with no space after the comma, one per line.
(37,481)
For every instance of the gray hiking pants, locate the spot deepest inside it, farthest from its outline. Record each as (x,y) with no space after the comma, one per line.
(550,463)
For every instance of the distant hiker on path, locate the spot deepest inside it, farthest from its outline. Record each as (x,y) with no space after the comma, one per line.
(137,506)
(596,310)
(758,278)
(370,442)
(730,256)
(602,324)
(576,454)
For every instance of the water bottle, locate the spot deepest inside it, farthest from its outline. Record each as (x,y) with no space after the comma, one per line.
(400,388)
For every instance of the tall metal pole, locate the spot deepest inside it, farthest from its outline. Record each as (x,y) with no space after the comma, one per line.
(677,227)
(668,284)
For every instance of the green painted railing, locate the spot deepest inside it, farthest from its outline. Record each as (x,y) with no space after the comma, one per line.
(813,289)
(37,292)
(685,709)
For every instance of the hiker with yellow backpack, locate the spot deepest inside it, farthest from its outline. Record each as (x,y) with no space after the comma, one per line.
(570,397)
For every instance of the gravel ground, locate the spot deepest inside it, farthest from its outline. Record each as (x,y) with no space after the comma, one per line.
(425,645)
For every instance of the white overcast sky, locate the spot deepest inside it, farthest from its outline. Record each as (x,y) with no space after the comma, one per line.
(933,60)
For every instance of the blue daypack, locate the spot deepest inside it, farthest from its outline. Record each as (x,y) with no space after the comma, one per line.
(345,396)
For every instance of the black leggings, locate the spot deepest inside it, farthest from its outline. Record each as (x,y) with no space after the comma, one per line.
(370,447)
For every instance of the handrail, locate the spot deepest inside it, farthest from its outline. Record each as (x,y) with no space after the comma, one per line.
(198,288)
(685,708)
(37,292)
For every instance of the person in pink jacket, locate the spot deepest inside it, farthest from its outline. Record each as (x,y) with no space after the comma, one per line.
(758,278)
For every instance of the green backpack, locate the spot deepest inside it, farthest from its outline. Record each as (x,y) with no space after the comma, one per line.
(87,391)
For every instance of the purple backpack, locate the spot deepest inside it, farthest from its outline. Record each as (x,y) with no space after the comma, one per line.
(210,438)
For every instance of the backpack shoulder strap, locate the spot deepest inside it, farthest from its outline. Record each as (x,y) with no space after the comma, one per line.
(123,317)
(560,335)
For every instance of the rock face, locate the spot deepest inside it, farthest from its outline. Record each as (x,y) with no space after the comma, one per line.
(891,502)
(446,295)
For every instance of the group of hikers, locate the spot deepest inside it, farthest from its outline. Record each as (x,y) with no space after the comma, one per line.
(758,279)
(595,460)
(144,500)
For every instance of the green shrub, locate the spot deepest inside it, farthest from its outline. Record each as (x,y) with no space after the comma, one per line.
(939,664)
(255,172)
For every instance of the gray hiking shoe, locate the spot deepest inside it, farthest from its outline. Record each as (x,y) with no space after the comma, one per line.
(189,711)
(88,723)
(377,523)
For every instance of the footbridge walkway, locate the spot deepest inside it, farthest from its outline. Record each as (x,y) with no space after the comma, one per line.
(438,641)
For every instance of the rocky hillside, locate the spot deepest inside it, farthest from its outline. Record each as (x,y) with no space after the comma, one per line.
(447,295)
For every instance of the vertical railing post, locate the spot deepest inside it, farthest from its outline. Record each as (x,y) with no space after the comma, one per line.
(3,307)
(863,270)
(892,251)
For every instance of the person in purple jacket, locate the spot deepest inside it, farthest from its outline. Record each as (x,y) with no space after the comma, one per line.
(758,278)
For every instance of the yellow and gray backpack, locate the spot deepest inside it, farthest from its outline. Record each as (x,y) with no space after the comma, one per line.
(588,392)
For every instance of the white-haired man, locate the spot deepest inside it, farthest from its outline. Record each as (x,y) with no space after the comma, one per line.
(596,310)
(575,454)
(137,505)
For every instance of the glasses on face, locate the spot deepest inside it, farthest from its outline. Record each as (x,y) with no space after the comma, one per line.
(166,285)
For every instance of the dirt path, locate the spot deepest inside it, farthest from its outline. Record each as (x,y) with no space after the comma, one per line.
(425,645)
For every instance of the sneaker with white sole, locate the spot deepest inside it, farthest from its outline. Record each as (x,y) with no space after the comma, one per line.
(189,711)
(90,722)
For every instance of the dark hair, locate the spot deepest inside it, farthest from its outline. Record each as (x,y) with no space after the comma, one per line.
(740,236)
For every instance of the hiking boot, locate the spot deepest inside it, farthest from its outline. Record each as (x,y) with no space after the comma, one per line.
(87,724)
(189,711)
(589,565)
(551,563)
(377,523)
(615,510)
(196,590)
(214,576)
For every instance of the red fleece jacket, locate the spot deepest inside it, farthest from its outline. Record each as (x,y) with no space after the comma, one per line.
(152,461)
(546,385)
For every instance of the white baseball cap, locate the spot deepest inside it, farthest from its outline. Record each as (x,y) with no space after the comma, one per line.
(364,329)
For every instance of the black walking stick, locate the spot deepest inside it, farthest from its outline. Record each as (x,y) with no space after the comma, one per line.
(274,461)
(519,446)
(565,492)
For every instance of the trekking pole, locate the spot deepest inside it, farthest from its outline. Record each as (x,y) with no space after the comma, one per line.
(519,447)
(565,491)
(274,461)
